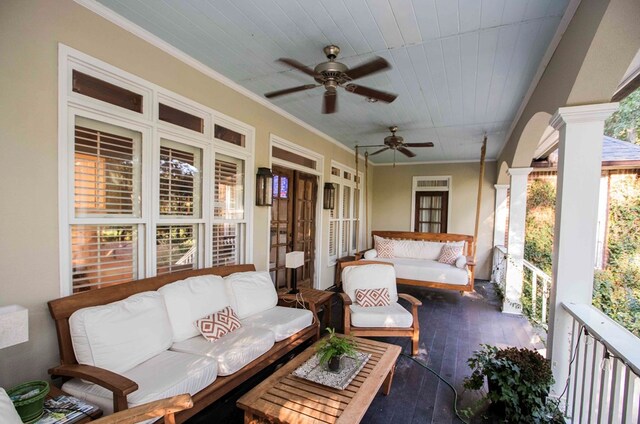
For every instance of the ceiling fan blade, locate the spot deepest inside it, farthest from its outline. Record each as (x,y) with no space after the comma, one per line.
(290,90)
(428,144)
(379,151)
(329,102)
(370,92)
(376,65)
(406,151)
(299,66)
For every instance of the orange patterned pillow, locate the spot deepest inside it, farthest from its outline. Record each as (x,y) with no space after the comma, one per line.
(216,325)
(449,254)
(372,297)
(384,247)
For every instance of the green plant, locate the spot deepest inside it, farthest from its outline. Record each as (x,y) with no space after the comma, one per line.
(335,346)
(518,381)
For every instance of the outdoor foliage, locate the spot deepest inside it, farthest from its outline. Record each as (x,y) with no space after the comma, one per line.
(518,381)
(624,124)
(541,203)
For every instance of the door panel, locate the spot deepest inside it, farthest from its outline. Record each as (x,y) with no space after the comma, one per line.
(281,225)
(431,211)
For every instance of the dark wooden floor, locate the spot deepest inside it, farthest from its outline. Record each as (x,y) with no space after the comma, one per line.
(452,327)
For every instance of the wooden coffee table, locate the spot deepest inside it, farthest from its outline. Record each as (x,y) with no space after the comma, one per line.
(285,398)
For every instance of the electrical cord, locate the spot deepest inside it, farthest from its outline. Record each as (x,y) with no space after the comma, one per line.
(455,393)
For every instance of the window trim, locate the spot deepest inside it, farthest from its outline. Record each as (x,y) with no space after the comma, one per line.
(414,189)
(71,104)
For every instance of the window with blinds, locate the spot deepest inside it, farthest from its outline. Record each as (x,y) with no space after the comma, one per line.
(228,188)
(103,255)
(106,169)
(226,242)
(176,248)
(180,179)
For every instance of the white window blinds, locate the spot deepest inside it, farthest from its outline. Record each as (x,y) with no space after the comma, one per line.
(176,248)
(180,179)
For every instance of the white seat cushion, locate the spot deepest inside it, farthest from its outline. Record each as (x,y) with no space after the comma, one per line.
(282,321)
(8,412)
(426,270)
(393,315)
(373,276)
(191,299)
(251,292)
(120,335)
(165,375)
(233,351)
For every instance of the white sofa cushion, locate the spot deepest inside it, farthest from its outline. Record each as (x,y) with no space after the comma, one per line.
(426,270)
(282,321)
(371,254)
(393,315)
(191,299)
(8,412)
(372,276)
(165,375)
(417,249)
(120,335)
(233,351)
(251,292)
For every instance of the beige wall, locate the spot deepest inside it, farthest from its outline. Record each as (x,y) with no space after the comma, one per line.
(29,35)
(392,202)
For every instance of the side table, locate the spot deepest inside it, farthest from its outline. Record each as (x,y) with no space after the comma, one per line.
(314,299)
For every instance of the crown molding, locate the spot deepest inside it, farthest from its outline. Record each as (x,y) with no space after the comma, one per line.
(127,25)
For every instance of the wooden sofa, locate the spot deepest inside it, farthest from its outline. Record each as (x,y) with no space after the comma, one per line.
(61,309)
(432,237)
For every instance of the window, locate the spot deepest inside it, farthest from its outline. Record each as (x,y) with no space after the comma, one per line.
(138,197)
(345,235)
(430,204)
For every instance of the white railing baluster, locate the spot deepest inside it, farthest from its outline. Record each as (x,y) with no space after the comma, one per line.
(545,296)
(534,293)
(614,401)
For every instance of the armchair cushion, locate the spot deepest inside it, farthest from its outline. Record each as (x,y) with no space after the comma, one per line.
(251,292)
(281,320)
(393,315)
(190,299)
(167,374)
(8,412)
(372,276)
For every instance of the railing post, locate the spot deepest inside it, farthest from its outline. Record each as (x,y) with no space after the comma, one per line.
(579,165)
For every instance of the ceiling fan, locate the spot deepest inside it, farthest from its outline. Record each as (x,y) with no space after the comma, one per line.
(332,74)
(396,143)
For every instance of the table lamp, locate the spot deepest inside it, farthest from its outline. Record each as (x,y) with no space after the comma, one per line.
(14,325)
(293,261)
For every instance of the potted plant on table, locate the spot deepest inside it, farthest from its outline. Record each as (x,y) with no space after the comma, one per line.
(332,348)
(518,381)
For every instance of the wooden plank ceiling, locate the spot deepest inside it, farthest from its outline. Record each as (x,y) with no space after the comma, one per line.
(460,67)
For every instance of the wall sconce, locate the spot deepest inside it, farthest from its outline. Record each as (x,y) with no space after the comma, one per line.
(293,261)
(329,197)
(264,187)
(14,325)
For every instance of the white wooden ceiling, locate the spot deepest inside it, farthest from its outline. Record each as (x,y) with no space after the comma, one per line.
(461,68)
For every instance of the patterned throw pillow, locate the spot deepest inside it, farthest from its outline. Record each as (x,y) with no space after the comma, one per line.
(384,247)
(372,297)
(449,254)
(216,325)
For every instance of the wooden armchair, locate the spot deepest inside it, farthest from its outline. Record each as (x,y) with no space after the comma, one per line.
(380,321)
(160,408)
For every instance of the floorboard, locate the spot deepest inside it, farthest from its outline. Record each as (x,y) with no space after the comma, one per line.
(452,327)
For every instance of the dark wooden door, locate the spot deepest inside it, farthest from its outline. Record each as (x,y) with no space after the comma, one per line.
(431,211)
(292,224)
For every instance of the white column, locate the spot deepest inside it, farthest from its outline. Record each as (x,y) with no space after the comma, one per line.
(501,214)
(515,243)
(579,169)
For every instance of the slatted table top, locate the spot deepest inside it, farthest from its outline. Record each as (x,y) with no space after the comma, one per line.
(288,399)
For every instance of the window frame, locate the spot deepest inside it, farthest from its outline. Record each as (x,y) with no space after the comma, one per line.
(72,104)
(341,182)
(415,187)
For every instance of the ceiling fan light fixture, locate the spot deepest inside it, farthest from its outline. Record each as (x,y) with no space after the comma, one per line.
(371,100)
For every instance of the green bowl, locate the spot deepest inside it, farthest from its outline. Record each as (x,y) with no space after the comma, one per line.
(29,407)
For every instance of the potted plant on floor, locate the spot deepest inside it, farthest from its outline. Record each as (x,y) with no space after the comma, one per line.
(331,350)
(518,381)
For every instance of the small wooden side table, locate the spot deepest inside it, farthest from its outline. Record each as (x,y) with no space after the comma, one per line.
(96,413)
(312,298)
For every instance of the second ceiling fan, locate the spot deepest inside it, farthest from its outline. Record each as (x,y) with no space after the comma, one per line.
(332,74)
(396,143)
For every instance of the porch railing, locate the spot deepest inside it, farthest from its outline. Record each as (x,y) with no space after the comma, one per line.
(535,294)
(604,380)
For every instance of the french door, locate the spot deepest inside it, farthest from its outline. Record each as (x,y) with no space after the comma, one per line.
(292,224)
(431,211)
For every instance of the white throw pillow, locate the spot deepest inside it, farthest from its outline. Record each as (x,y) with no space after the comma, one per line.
(251,292)
(120,335)
(371,254)
(461,262)
(190,299)
(8,412)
